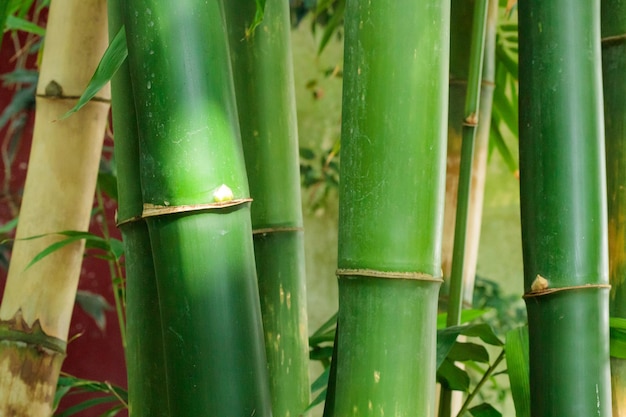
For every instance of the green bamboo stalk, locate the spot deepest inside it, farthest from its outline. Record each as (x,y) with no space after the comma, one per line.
(58,195)
(263,74)
(391,206)
(613,69)
(470,123)
(196,204)
(563,207)
(467,152)
(145,362)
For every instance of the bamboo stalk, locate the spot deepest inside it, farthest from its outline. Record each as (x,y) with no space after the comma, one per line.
(196,204)
(58,195)
(563,207)
(391,206)
(262,67)
(463,242)
(614,67)
(145,362)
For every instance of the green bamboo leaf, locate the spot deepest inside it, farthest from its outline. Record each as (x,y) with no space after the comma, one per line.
(324,328)
(91,242)
(497,141)
(453,377)
(111,61)
(4,12)
(617,323)
(95,305)
(618,337)
(116,247)
(9,226)
(321,353)
(483,331)
(53,248)
(318,400)
(334,22)
(463,352)
(516,349)
(484,410)
(321,381)
(107,182)
(87,404)
(466,316)
(18,23)
(618,343)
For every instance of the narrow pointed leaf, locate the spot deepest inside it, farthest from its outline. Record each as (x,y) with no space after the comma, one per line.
(18,23)
(516,349)
(111,61)
(485,410)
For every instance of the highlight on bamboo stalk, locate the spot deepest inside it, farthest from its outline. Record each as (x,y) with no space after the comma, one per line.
(200,232)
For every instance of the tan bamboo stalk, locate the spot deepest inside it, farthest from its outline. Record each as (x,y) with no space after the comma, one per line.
(38,301)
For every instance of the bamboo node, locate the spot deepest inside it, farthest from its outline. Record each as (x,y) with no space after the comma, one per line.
(471,120)
(54,90)
(372,273)
(268,230)
(538,290)
(18,330)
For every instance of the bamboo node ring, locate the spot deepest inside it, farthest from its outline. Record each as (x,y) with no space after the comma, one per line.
(151,210)
(372,273)
(267,230)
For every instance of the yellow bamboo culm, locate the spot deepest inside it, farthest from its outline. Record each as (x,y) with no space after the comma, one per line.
(37,305)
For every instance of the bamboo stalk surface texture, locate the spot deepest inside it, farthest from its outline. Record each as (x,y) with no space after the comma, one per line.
(196,203)
(391,206)
(563,207)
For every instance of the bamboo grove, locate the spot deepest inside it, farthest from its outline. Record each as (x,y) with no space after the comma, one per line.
(209,203)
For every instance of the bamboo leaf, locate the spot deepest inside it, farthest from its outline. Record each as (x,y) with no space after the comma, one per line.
(484,331)
(9,226)
(334,22)
(92,402)
(463,352)
(484,410)
(497,140)
(466,316)
(91,242)
(618,337)
(324,328)
(321,381)
(111,61)
(516,349)
(453,377)
(18,23)
(95,305)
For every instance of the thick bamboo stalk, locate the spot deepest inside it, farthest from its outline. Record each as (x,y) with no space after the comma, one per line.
(196,203)
(563,207)
(58,196)
(391,206)
(145,363)
(614,79)
(262,68)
